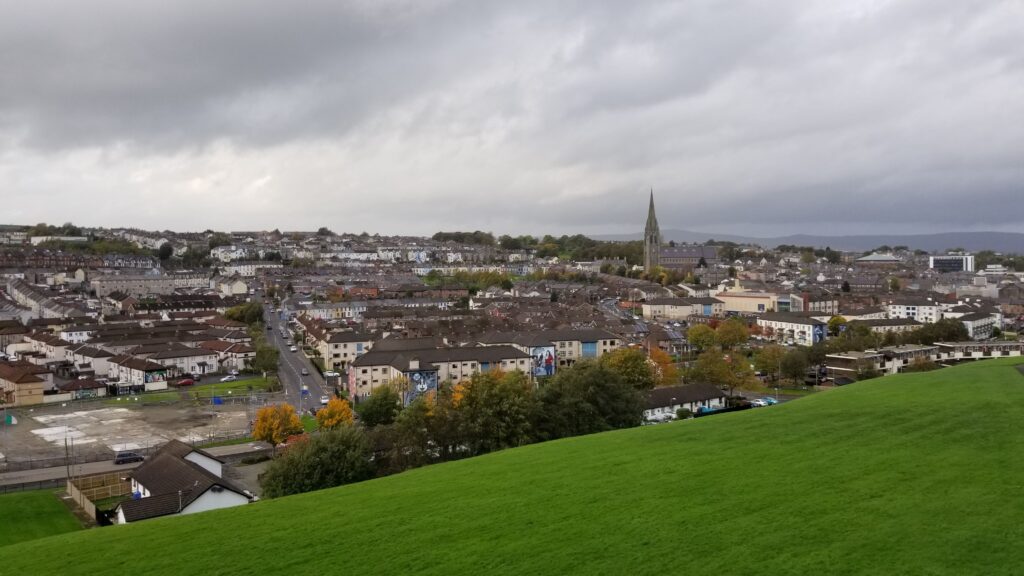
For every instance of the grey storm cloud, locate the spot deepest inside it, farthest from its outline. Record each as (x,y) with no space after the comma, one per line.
(405,116)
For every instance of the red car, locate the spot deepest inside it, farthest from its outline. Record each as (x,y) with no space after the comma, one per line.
(186,382)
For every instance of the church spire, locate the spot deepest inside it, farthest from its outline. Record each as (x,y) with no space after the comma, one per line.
(652,239)
(652,220)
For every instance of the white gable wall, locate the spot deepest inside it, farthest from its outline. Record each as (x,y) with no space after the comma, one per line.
(209,464)
(213,500)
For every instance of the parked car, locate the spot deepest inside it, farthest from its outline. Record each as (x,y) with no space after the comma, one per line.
(331,374)
(186,382)
(293,349)
(305,372)
(757,403)
(127,458)
(229,378)
(325,399)
(769,401)
(233,372)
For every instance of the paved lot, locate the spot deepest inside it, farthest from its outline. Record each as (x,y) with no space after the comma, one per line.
(96,431)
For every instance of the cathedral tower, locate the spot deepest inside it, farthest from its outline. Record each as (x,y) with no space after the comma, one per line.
(652,240)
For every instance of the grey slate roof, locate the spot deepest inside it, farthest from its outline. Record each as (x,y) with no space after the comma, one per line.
(685,394)
(173,483)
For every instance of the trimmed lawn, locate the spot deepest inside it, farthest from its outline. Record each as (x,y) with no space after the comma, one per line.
(234,442)
(240,386)
(205,391)
(36,514)
(309,423)
(909,474)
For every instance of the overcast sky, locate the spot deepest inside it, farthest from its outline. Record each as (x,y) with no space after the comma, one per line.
(412,116)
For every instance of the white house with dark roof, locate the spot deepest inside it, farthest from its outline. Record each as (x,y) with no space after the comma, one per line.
(179,479)
(188,360)
(663,403)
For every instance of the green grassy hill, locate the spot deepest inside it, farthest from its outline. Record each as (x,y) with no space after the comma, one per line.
(913,474)
(35,514)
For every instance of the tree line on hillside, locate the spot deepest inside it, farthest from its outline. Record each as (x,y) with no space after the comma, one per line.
(476,237)
(724,361)
(490,411)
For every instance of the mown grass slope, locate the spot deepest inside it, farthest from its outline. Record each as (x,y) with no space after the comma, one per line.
(913,474)
(35,514)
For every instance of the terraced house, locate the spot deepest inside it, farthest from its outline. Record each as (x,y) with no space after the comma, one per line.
(569,345)
(382,367)
(340,349)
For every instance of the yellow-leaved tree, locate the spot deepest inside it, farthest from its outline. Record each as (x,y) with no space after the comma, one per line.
(274,424)
(337,413)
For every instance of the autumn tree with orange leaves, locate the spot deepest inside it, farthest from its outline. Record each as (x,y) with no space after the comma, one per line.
(274,424)
(337,413)
(665,371)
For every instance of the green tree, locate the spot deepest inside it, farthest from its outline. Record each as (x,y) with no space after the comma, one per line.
(768,360)
(265,359)
(632,365)
(945,330)
(702,336)
(587,398)
(794,365)
(165,251)
(732,332)
(331,458)
(219,239)
(723,370)
(495,410)
(411,436)
(251,313)
(381,407)
(834,324)
(894,284)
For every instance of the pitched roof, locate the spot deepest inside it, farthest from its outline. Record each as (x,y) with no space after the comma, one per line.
(790,318)
(173,483)
(340,337)
(400,359)
(134,363)
(182,353)
(685,394)
(17,374)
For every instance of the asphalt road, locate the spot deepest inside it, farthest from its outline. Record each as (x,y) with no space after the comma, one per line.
(290,367)
(57,472)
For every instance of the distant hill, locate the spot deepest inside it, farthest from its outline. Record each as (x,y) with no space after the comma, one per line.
(1006,242)
(908,474)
